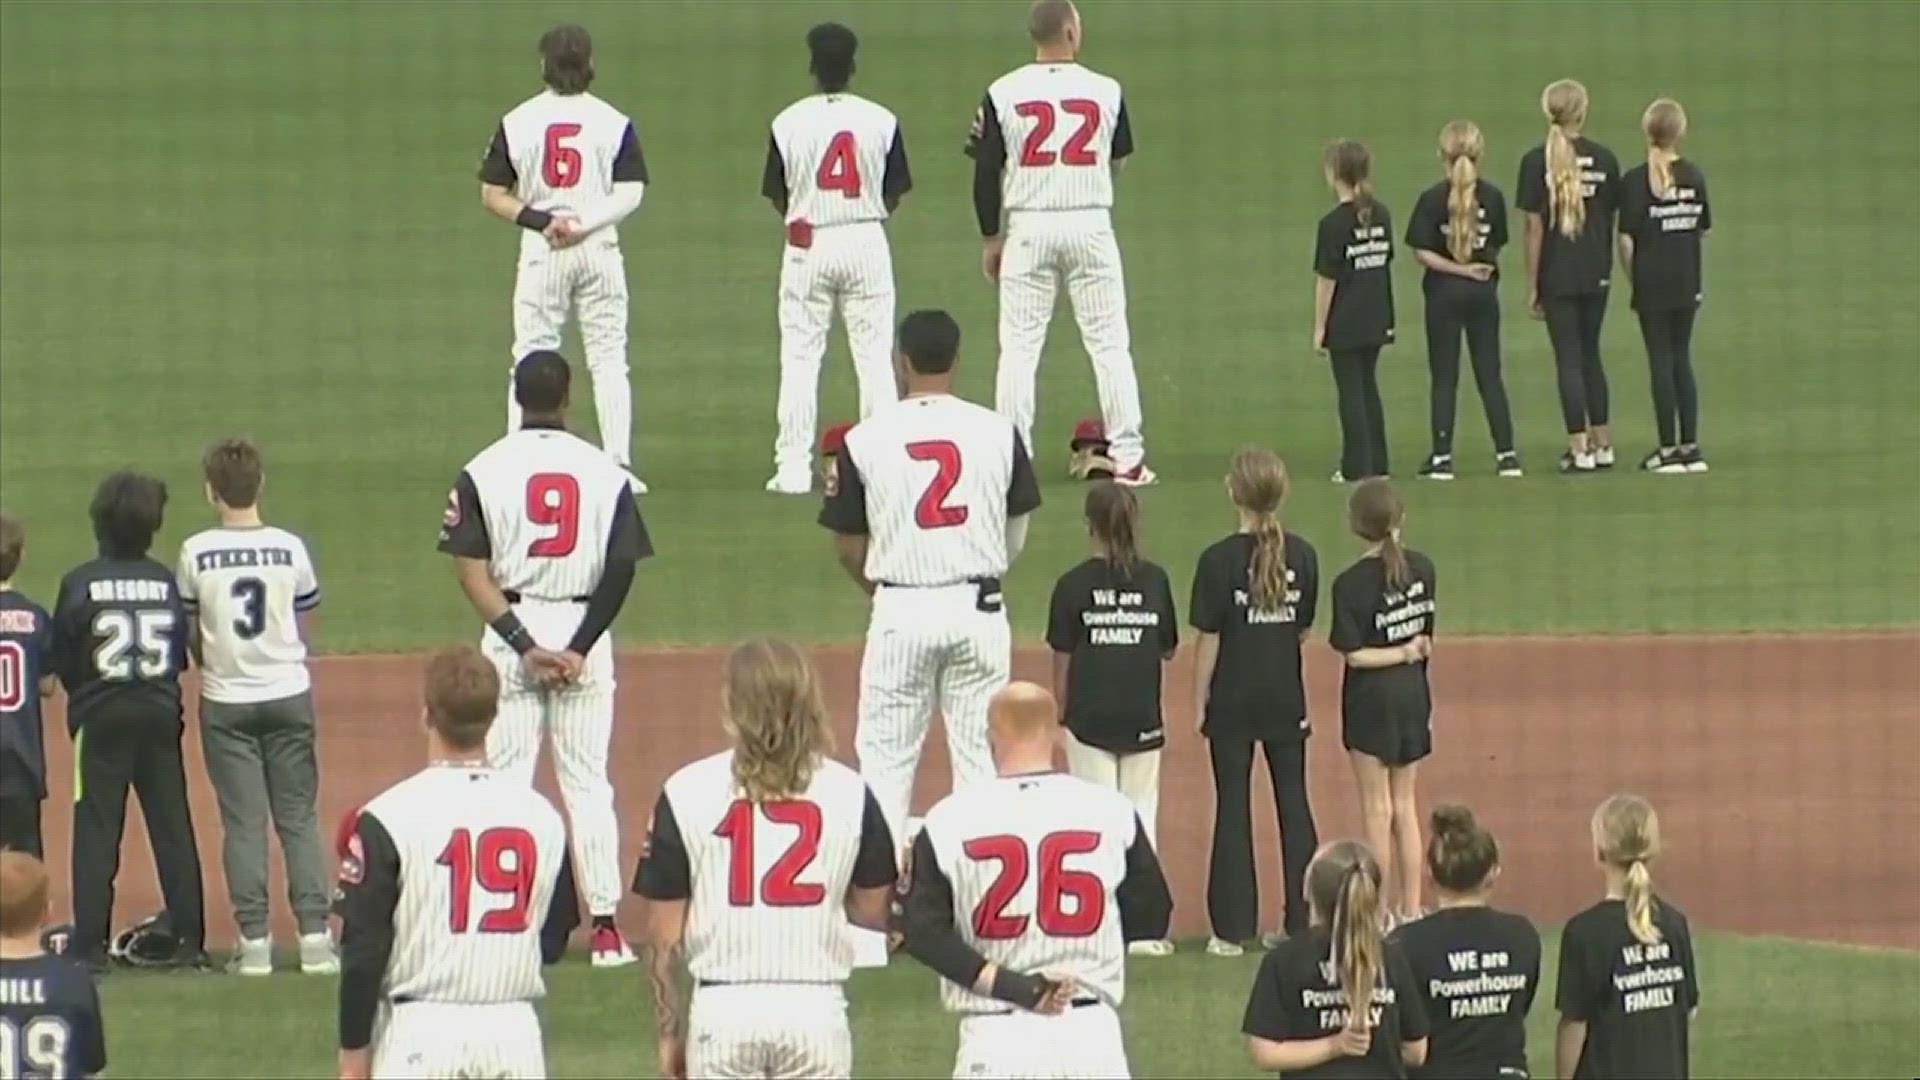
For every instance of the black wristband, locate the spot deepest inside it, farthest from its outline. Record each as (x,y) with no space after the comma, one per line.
(533,220)
(1024,991)
(513,632)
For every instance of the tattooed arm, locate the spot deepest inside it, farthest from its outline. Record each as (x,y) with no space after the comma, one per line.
(667,974)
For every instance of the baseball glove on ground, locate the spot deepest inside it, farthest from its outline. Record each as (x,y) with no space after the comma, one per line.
(1089,446)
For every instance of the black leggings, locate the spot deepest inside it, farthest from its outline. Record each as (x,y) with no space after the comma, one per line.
(1573,326)
(1669,337)
(1363,420)
(1233,888)
(1476,313)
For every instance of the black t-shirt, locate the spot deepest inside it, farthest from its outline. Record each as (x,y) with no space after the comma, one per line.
(1357,259)
(1583,265)
(52,1013)
(1297,995)
(1368,614)
(1477,971)
(120,638)
(1637,1000)
(1257,692)
(1116,630)
(1666,236)
(1427,231)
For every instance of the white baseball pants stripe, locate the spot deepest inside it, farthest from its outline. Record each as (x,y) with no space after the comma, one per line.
(589,281)
(1137,776)
(849,267)
(435,1039)
(927,649)
(769,1030)
(1077,246)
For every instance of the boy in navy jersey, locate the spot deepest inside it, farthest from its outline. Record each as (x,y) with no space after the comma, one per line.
(49,1013)
(24,680)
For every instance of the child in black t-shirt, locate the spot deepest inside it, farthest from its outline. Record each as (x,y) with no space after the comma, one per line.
(1112,628)
(1337,1001)
(1664,216)
(1628,982)
(1254,598)
(1383,620)
(1353,305)
(1477,969)
(1568,189)
(1456,231)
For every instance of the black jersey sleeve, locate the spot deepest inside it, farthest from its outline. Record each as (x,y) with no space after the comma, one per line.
(1122,134)
(1700,195)
(987,146)
(368,893)
(664,872)
(1582,989)
(1063,614)
(69,652)
(874,865)
(1330,246)
(1306,579)
(496,165)
(898,179)
(92,1035)
(1495,204)
(630,161)
(1607,198)
(1351,610)
(1633,203)
(627,544)
(773,177)
(563,912)
(1210,603)
(1530,193)
(930,935)
(1683,950)
(1414,1024)
(1425,225)
(845,508)
(1265,1016)
(1023,487)
(463,528)
(1169,613)
(1529,963)
(1145,901)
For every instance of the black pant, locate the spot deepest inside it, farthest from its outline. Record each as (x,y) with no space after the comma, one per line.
(1474,311)
(1669,337)
(1363,421)
(1233,888)
(1573,326)
(117,749)
(20,824)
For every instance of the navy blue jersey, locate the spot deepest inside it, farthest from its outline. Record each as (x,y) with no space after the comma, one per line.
(50,1019)
(26,634)
(119,637)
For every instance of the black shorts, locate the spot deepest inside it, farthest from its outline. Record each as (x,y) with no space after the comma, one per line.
(1387,715)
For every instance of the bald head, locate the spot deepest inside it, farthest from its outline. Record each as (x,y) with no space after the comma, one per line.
(1050,20)
(1022,720)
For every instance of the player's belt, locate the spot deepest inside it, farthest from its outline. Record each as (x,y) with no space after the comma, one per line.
(986,591)
(708,984)
(410,999)
(514,596)
(942,584)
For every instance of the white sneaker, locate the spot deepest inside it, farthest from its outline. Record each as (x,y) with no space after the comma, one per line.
(1220,947)
(791,483)
(254,958)
(1150,948)
(1603,458)
(317,956)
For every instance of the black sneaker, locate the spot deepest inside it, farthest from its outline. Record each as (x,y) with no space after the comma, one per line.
(1438,467)
(1507,464)
(1665,462)
(1571,462)
(1696,461)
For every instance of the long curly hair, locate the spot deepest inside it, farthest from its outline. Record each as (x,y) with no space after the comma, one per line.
(777,719)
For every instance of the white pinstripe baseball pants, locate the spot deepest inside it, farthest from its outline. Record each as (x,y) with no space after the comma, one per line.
(1081,1042)
(590,281)
(851,267)
(1045,248)
(433,1039)
(768,1029)
(578,721)
(927,649)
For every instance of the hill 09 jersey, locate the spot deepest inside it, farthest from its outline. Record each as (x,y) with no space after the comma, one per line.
(766,882)
(836,159)
(50,1021)
(932,481)
(445,895)
(562,153)
(1038,873)
(246,586)
(1057,129)
(546,508)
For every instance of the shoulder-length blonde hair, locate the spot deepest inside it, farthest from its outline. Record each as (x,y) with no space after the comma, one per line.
(778,721)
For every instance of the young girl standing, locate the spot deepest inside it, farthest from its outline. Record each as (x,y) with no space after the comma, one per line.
(1254,597)
(1628,982)
(1664,216)
(1112,628)
(1353,306)
(1456,231)
(1383,619)
(1569,187)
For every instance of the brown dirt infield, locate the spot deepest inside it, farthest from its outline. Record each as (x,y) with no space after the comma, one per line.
(1783,769)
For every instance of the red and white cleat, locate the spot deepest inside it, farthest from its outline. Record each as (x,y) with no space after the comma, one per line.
(1138,476)
(610,949)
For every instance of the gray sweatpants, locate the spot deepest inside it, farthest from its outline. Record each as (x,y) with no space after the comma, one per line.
(261,759)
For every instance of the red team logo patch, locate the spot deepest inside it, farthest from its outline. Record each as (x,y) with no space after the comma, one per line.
(833,477)
(451,519)
(353,862)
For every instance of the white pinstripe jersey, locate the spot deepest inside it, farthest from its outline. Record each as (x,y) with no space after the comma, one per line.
(565,152)
(1059,128)
(932,481)
(834,152)
(246,586)
(1034,863)
(548,501)
(479,857)
(768,881)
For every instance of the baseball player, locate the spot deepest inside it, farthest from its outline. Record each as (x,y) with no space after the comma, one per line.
(446,905)
(756,860)
(1024,892)
(836,168)
(249,585)
(567,167)
(546,534)
(26,635)
(1045,143)
(928,501)
(50,1022)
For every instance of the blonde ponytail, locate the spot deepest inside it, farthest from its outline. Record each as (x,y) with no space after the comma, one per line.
(1357,948)
(1257,482)
(1267,576)
(1460,147)
(1565,103)
(1626,834)
(1640,903)
(1664,124)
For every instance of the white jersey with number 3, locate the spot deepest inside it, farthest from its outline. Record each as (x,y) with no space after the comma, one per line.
(834,149)
(548,499)
(1063,126)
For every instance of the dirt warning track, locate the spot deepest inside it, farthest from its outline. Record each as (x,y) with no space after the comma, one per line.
(1783,769)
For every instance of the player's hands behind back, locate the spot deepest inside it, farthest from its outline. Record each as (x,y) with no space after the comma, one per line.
(544,667)
(563,232)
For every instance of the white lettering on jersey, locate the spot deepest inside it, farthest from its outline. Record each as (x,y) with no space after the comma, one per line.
(247,586)
(769,880)
(1035,862)
(479,858)
(937,471)
(1058,122)
(563,148)
(834,148)
(548,498)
